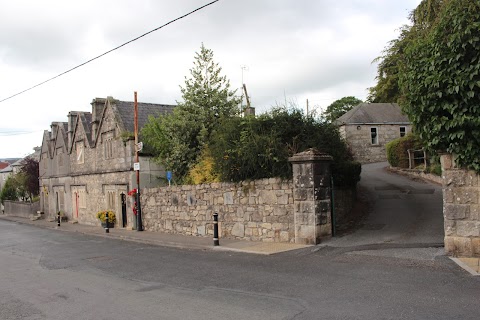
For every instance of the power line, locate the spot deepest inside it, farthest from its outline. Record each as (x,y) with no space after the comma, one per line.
(111,50)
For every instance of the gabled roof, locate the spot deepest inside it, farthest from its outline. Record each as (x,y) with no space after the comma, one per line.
(7,169)
(125,111)
(3,165)
(374,113)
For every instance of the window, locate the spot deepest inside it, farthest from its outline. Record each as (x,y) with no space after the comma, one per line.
(403,131)
(374,135)
(111,200)
(80,155)
(108,148)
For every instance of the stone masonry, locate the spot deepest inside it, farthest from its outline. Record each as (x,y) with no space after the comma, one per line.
(259,210)
(461,209)
(312,195)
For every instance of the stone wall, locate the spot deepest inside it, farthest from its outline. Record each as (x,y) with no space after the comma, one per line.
(461,209)
(258,210)
(359,140)
(21,209)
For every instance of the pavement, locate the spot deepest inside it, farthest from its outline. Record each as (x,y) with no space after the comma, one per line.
(162,239)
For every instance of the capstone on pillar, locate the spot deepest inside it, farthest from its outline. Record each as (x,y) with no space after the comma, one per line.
(312,196)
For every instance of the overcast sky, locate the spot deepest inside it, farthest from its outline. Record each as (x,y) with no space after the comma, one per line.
(293,50)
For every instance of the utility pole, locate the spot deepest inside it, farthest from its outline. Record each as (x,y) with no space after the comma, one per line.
(137,162)
(307,107)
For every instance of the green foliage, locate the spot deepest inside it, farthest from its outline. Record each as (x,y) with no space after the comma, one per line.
(177,139)
(9,190)
(255,148)
(441,82)
(346,173)
(397,154)
(392,60)
(340,107)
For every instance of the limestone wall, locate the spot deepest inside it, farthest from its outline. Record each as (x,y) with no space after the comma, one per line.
(461,209)
(20,209)
(359,140)
(260,210)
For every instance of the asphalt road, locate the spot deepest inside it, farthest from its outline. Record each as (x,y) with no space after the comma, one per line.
(403,212)
(50,274)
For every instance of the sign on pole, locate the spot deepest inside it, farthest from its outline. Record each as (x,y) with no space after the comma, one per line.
(136,166)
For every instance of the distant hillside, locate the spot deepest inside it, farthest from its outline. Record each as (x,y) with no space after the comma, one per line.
(9,160)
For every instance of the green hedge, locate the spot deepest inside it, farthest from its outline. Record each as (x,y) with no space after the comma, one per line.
(258,147)
(397,154)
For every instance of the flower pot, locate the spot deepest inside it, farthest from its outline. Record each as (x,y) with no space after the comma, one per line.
(110,225)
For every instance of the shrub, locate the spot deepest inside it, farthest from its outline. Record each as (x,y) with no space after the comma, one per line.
(255,148)
(397,154)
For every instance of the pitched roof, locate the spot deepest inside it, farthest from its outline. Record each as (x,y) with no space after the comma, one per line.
(3,165)
(374,113)
(125,111)
(7,169)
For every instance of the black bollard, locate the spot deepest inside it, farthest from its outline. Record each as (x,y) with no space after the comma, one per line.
(216,242)
(107,230)
(58,219)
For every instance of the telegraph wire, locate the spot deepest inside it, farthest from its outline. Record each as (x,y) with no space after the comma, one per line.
(111,50)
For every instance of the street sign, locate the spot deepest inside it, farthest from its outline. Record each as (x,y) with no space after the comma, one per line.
(169,175)
(139,146)
(136,166)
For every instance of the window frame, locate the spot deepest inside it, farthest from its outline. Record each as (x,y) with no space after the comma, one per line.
(374,139)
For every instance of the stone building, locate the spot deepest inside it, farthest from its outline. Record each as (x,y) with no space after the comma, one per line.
(86,163)
(368,127)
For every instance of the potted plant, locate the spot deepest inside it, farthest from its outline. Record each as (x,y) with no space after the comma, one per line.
(101,215)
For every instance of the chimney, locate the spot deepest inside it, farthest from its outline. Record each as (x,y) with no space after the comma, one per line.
(72,118)
(98,104)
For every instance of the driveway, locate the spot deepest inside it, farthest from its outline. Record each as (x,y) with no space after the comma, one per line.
(403,212)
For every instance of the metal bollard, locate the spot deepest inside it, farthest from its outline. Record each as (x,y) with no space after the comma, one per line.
(58,219)
(216,242)
(107,230)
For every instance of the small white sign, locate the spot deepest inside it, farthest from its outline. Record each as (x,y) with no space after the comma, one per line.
(136,166)
(139,146)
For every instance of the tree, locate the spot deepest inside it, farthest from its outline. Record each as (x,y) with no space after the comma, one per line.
(440,82)
(9,190)
(340,107)
(177,139)
(392,60)
(30,171)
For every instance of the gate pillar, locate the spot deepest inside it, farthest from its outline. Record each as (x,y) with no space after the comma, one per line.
(311,196)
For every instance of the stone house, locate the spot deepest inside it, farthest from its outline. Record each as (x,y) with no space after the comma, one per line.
(86,163)
(368,127)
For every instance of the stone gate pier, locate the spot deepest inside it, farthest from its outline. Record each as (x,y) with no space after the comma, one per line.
(312,196)
(461,209)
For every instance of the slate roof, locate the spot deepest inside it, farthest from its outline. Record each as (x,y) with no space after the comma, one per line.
(7,169)
(125,111)
(374,113)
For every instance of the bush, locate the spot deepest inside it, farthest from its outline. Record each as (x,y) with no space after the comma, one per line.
(397,154)
(255,148)
(346,174)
